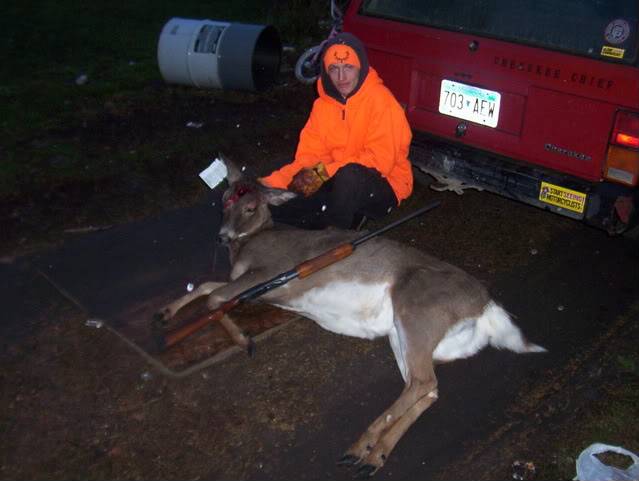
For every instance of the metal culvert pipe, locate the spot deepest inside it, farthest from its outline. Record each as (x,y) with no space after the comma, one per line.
(209,53)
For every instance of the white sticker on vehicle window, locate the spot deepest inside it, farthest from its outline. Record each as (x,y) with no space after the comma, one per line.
(617,31)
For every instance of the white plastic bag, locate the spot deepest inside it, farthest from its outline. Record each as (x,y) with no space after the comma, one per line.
(589,468)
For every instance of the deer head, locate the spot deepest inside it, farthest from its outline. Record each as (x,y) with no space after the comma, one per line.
(246,204)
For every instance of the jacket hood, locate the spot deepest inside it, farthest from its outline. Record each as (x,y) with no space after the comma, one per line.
(353,42)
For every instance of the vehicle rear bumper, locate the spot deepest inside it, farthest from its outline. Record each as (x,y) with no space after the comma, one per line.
(612,207)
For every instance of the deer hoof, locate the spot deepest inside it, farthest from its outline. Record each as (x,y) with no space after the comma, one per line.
(250,348)
(162,316)
(348,460)
(366,471)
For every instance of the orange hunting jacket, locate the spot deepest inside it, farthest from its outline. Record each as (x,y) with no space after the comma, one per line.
(370,128)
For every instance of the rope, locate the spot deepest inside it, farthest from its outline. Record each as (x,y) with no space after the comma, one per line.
(307,67)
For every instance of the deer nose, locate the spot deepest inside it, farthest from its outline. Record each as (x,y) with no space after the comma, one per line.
(223,239)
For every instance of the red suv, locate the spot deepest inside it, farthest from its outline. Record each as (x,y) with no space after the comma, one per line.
(534,100)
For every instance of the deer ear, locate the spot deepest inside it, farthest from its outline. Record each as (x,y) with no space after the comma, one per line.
(234,174)
(278,196)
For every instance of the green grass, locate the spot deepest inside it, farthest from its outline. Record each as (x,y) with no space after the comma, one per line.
(46,45)
(611,420)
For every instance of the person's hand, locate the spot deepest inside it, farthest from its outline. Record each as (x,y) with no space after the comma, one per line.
(306,182)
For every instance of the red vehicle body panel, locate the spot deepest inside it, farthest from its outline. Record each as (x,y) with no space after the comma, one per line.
(557,109)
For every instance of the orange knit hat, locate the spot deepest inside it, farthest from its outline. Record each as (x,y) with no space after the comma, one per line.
(341,53)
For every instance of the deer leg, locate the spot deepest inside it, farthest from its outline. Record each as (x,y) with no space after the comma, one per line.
(237,335)
(205,289)
(391,436)
(372,447)
(167,312)
(413,353)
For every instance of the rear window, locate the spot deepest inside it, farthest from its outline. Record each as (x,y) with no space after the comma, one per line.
(603,29)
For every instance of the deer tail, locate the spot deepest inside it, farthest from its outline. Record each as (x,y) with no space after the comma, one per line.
(502,332)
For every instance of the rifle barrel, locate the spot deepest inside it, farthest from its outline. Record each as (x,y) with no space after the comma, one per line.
(392,225)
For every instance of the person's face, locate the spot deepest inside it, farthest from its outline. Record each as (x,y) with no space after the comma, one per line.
(344,76)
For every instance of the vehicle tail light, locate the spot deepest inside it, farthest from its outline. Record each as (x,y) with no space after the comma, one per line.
(622,161)
(627,140)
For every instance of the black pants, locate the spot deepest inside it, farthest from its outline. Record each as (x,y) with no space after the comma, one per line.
(353,192)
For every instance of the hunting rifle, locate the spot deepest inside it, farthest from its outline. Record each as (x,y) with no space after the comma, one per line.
(302,270)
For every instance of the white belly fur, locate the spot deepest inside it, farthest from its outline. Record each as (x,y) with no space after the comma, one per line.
(349,308)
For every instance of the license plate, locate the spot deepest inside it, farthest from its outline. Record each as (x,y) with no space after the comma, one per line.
(469,103)
(562,197)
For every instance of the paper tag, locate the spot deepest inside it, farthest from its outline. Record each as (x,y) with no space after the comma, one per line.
(214,173)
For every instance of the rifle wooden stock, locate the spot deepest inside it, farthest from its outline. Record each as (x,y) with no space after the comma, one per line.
(302,270)
(313,265)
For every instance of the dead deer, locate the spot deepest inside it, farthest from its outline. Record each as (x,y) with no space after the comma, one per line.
(430,310)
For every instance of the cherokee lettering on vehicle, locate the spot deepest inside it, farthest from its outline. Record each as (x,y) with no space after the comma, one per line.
(541,70)
(591,80)
(553,72)
(569,153)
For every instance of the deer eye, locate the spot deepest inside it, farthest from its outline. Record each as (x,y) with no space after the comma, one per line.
(249,209)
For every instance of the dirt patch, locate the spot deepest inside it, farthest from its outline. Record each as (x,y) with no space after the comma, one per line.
(80,403)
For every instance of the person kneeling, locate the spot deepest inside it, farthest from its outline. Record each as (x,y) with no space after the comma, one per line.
(351,161)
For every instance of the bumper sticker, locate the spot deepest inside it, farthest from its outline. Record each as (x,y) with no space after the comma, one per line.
(562,197)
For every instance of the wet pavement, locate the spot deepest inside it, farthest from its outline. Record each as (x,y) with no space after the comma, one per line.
(122,275)
(291,412)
